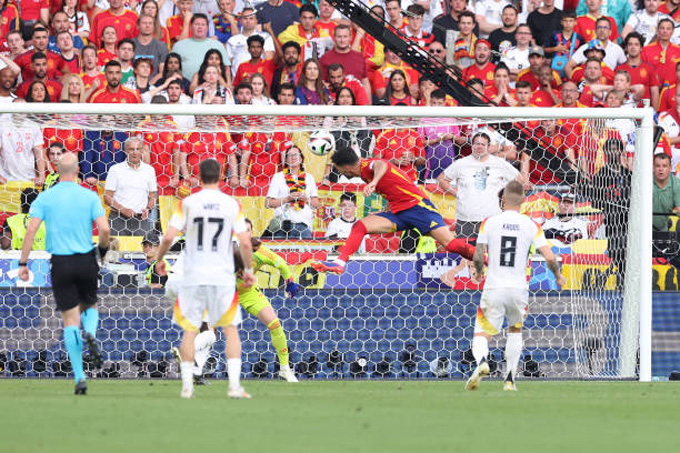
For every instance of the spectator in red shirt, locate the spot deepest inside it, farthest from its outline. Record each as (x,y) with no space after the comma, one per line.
(523,94)
(667,96)
(324,22)
(39,64)
(179,25)
(34,11)
(482,69)
(394,15)
(536,62)
(352,61)
(500,92)
(114,92)
(546,95)
(569,94)
(641,73)
(10,20)
(337,79)
(557,142)
(68,52)
(256,64)
(123,20)
(404,148)
(397,91)
(91,71)
(109,41)
(597,53)
(56,66)
(37,92)
(663,54)
(585,24)
(593,86)
(15,43)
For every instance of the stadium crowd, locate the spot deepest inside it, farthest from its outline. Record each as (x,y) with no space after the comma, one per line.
(566,53)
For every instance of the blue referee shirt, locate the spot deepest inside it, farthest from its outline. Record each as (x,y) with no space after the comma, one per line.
(68,211)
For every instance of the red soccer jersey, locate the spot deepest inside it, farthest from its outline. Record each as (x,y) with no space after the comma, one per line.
(542,99)
(104,56)
(485,73)
(265,153)
(423,40)
(663,61)
(579,74)
(175,25)
(328,26)
(88,80)
(125,25)
(73,64)
(162,145)
(123,95)
(53,89)
(571,124)
(9,20)
(382,75)
(357,88)
(585,26)
(395,186)
(555,144)
(56,66)
(72,139)
(591,147)
(491,92)
(392,144)
(644,74)
(667,98)
(246,69)
(30,9)
(200,146)
(529,76)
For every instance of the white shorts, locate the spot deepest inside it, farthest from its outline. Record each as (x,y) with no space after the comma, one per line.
(216,305)
(497,304)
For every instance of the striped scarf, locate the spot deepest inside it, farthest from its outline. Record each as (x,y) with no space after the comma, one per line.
(296,184)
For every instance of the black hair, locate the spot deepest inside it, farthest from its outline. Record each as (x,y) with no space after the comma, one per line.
(344,156)
(28,196)
(38,56)
(438,94)
(255,38)
(111,64)
(288,44)
(348,196)
(309,8)
(126,41)
(29,95)
(349,90)
(243,86)
(210,171)
(198,16)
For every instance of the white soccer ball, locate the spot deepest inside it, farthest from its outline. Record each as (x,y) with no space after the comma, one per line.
(321,143)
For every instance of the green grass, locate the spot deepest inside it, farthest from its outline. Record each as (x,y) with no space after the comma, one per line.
(419,417)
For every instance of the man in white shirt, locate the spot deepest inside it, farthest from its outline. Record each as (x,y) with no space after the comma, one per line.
(237,45)
(476,180)
(340,227)
(566,228)
(507,237)
(489,15)
(130,192)
(517,58)
(21,152)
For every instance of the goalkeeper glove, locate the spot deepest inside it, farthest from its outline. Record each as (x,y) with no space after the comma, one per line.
(292,288)
(102,251)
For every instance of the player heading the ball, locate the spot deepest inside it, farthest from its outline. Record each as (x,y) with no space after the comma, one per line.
(507,237)
(409,208)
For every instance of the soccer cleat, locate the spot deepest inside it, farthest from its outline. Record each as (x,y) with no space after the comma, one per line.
(328,266)
(509,384)
(81,388)
(480,373)
(187,393)
(239,393)
(95,353)
(287,375)
(200,380)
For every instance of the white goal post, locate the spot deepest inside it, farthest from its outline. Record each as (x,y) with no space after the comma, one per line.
(635,348)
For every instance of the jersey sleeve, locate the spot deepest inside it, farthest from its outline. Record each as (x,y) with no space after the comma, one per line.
(539,238)
(483,237)
(178,219)
(266,257)
(37,210)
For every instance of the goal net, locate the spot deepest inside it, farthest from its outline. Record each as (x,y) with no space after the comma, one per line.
(403,308)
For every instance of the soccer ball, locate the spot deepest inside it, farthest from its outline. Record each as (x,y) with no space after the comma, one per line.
(321,143)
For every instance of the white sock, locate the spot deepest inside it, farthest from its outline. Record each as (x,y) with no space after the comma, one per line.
(513,349)
(284,368)
(234,371)
(480,348)
(185,369)
(339,261)
(203,344)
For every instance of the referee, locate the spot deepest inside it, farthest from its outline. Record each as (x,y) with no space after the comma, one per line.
(68,211)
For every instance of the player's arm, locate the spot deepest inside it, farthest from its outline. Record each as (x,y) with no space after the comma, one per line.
(380,168)
(478,258)
(104,231)
(246,250)
(27,245)
(165,245)
(553,265)
(445,185)
(267,257)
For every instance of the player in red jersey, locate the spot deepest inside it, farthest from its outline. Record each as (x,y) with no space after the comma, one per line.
(113,92)
(409,208)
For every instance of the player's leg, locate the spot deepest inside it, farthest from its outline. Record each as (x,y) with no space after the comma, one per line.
(89,315)
(74,347)
(267,315)
(186,351)
(188,314)
(454,245)
(487,324)
(233,353)
(371,224)
(202,346)
(516,310)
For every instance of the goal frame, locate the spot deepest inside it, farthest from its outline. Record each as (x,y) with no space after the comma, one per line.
(636,334)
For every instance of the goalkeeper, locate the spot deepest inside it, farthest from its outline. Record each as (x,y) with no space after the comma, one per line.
(257,304)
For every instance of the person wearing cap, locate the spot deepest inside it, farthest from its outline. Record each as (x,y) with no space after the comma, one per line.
(482,68)
(531,74)
(517,58)
(594,53)
(566,227)
(646,20)
(662,54)
(150,245)
(614,54)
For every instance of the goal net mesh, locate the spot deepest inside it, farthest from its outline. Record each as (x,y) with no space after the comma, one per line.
(403,308)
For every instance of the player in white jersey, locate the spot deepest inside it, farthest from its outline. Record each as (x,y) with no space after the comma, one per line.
(209,218)
(508,237)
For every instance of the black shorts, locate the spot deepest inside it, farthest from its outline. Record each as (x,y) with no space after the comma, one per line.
(75,279)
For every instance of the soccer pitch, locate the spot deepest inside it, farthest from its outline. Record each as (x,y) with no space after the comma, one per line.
(348,416)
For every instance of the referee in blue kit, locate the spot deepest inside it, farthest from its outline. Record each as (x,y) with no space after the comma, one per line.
(68,211)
